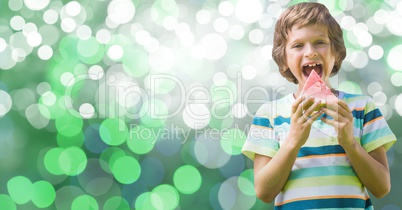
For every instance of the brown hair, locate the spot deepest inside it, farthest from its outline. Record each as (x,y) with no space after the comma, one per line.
(304,14)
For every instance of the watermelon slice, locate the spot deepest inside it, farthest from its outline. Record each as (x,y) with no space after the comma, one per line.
(316,87)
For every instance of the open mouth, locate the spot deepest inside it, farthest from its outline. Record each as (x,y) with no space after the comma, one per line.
(307,68)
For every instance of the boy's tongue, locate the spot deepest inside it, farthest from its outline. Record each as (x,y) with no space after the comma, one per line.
(307,70)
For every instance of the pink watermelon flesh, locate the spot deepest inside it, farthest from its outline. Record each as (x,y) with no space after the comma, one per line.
(316,87)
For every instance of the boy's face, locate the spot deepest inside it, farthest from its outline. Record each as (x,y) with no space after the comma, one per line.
(308,48)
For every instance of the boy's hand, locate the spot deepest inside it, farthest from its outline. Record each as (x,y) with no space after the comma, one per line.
(342,122)
(302,118)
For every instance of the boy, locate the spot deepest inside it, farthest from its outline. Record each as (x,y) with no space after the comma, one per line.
(330,158)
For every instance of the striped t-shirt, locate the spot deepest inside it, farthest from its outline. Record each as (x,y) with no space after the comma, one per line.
(322,176)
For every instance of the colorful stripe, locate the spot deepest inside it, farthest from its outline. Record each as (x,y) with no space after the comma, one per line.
(372,115)
(322,171)
(324,150)
(261,121)
(323,202)
(280,120)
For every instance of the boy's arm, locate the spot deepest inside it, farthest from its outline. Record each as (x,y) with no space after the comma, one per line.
(371,168)
(271,174)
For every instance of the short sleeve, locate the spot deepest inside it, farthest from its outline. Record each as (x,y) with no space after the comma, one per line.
(261,136)
(376,131)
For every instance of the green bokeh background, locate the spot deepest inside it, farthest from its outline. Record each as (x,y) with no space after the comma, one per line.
(135,104)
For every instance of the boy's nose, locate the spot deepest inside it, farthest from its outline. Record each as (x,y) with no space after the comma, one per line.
(310,51)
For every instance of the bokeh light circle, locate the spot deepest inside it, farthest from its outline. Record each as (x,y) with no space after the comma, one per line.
(187,179)
(45,52)
(67,79)
(84,32)
(141,139)
(72,161)
(113,131)
(115,52)
(73,8)
(162,59)
(249,72)
(90,51)
(165,197)
(17,22)
(374,87)
(226,8)
(51,161)
(196,116)
(20,189)
(348,22)
(274,10)
(43,194)
(246,182)
(359,59)
(144,201)
(103,36)
(220,78)
(256,36)
(121,11)
(126,169)
(396,79)
(84,202)
(50,16)
(398,104)
(221,25)
(376,52)
(236,32)
(203,16)
(214,46)
(15,5)
(7,202)
(394,57)
(68,25)
(87,110)
(94,179)
(95,72)
(208,151)
(231,197)
(3,44)
(116,203)
(36,4)
(248,11)
(48,98)
(68,124)
(5,103)
(350,87)
(37,115)
(232,140)
(380,98)
(108,157)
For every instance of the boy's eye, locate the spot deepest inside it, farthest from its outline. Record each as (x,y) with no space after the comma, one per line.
(297,46)
(320,42)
